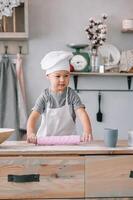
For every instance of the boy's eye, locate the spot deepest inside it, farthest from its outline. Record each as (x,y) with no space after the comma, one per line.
(57,76)
(66,75)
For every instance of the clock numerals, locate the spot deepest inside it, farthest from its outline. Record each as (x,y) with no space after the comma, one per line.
(79,62)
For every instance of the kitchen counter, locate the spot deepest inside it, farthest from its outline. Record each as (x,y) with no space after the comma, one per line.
(96,147)
(84,171)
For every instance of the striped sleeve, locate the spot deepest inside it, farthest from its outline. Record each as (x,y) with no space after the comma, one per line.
(75,99)
(40,104)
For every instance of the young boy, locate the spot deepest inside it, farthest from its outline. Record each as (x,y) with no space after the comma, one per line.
(59,104)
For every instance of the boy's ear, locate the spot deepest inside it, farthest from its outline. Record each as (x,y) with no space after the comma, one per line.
(47,76)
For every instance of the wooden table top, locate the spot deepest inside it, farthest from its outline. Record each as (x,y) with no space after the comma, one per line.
(18,148)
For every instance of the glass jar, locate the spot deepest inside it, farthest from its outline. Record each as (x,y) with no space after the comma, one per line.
(94,60)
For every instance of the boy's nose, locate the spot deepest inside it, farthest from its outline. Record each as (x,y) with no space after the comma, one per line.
(62,79)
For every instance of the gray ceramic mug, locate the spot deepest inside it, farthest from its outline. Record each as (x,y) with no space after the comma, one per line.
(110,137)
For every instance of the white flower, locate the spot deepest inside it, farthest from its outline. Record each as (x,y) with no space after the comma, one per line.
(96,31)
(104,16)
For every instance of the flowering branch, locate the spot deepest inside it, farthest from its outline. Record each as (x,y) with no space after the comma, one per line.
(96,32)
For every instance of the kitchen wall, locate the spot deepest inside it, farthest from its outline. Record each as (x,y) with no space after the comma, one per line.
(55,23)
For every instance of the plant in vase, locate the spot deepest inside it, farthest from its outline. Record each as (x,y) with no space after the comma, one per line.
(96,34)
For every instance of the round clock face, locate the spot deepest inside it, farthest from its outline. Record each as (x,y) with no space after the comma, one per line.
(78,62)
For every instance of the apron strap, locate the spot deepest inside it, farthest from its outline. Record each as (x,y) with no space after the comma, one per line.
(66,103)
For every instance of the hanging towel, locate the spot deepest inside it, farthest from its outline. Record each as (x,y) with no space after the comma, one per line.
(21,93)
(9,117)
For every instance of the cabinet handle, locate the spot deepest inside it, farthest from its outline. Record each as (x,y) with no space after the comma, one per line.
(24,178)
(131,174)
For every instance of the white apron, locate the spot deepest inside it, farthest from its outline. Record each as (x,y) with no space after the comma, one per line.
(57,121)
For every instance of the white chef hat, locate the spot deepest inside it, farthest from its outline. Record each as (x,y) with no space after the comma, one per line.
(55,61)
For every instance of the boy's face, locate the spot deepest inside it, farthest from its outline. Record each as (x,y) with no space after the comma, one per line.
(59,80)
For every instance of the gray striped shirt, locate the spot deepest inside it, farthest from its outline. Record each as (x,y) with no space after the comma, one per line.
(56,100)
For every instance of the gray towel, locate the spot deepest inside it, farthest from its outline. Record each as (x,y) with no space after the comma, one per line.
(9,117)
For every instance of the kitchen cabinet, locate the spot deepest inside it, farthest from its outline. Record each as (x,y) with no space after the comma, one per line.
(16,26)
(109,176)
(56,177)
(69,172)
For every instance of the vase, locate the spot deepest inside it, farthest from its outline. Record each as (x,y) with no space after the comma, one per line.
(94,60)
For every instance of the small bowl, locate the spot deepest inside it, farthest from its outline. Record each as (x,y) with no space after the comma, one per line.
(5,133)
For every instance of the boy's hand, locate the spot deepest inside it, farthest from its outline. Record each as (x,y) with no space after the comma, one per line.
(31,138)
(86,137)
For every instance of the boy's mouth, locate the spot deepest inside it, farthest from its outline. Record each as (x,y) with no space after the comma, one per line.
(61,85)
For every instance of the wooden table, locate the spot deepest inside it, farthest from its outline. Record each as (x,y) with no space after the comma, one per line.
(67,172)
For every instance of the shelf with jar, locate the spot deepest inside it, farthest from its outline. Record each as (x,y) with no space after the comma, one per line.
(129,76)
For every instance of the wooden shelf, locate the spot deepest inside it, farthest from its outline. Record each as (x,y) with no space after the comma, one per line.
(118,74)
(101,74)
(127,30)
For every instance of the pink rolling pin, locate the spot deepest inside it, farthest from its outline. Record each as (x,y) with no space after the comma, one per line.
(58,140)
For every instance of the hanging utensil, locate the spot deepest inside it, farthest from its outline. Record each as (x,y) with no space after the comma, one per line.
(99,115)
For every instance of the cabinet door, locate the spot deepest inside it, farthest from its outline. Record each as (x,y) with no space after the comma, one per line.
(108,176)
(57,177)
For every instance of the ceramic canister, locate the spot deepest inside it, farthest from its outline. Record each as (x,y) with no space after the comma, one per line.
(130,138)
(127,24)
